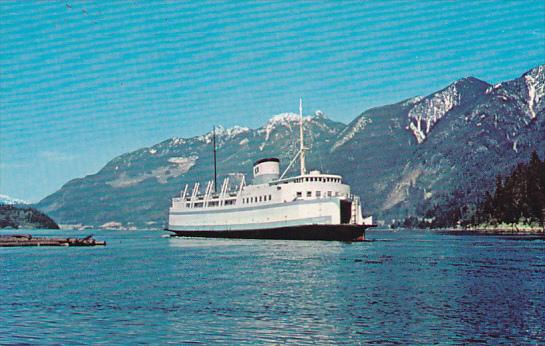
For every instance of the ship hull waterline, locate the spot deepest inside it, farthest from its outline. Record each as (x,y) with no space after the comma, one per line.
(344,232)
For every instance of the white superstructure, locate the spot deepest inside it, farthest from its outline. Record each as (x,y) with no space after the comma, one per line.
(270,201)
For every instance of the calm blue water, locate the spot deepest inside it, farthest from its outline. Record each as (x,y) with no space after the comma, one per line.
(405,287)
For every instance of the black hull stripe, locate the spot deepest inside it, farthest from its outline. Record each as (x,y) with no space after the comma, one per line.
(305,232)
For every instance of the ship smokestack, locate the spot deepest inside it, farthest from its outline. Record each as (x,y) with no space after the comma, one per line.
(266,170)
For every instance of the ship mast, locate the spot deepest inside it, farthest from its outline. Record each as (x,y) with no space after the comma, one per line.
(301,139)
(214,143)
(301,152)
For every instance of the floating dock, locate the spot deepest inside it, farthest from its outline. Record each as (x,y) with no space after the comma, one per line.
(29,240)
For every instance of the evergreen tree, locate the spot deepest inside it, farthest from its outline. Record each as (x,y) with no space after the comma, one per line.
(535,185)
(520,197)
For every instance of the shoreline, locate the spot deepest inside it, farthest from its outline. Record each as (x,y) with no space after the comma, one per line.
(495,231)
(476,231)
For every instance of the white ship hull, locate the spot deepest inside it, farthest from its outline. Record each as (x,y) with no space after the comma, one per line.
(296,213)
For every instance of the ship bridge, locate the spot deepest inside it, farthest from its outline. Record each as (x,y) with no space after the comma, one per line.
(313,176)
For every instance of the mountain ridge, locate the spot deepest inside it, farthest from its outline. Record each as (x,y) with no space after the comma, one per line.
(402,158)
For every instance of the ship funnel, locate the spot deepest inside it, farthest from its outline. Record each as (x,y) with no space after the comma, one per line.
(266,170)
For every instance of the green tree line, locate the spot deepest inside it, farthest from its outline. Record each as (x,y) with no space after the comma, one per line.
(518,198)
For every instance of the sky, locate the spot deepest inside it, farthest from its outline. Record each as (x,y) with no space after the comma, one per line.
(83,82)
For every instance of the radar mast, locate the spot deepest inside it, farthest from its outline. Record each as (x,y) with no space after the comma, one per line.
(301,138)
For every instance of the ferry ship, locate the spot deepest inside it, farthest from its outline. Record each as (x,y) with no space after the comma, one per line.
(308,206)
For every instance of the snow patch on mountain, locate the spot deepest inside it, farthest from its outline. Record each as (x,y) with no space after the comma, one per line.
(428,111)
(5,199)
(412,101)
(283,119)
(349,132)
(223,133)
(535,83)
(231,132)
(492,88)
(177,167)
(183,160)
(177,141)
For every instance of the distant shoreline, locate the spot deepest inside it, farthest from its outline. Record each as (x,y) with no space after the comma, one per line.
(476,231)
(495,231)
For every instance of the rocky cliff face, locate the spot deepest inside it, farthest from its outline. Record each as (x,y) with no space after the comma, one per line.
(401,158)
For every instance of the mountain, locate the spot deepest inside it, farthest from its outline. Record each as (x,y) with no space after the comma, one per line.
(136,188)
(403,158)
(12,216)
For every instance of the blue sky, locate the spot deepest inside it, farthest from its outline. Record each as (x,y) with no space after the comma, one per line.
(82,82)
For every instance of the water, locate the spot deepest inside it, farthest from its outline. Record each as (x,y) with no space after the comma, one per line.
(405,287)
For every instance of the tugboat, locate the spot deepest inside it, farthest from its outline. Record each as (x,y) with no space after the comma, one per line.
(308,206)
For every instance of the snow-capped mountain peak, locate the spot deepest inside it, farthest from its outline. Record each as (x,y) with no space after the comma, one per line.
(431,109)
(4,199)
(283,119)
(223,133)
(535,83)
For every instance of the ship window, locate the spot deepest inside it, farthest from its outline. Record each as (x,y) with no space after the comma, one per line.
(260,198)
(299,194)
(336,193)
(309,193)
(270,197)
(318,193)
(329,193)
(306,179)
